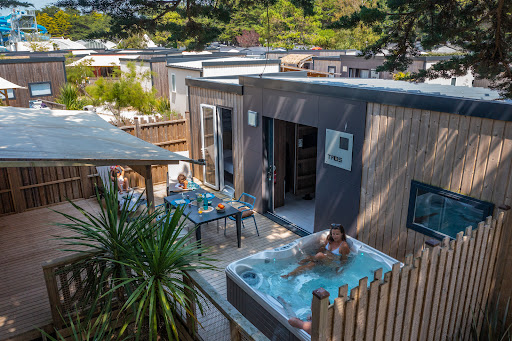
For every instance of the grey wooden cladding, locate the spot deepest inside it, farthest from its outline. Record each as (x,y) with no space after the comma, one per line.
(198,96)
(31,187)
(405,304)
(467,155)
(160,78)
(24,73)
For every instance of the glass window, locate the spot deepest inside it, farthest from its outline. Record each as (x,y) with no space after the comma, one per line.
(10,94)
(439,213)
(173,82)
(40,89)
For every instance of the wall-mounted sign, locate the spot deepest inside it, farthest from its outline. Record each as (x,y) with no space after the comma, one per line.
(338,149)
(252,118)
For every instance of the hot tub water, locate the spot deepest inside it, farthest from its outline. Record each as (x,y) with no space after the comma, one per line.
(266,278)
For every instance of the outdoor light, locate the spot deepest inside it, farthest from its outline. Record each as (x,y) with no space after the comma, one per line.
(252,118)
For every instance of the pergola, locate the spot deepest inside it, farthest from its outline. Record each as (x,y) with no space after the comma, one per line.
(6,85)
(46,138)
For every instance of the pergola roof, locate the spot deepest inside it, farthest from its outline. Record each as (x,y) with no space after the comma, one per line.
(43,137)
(5,84)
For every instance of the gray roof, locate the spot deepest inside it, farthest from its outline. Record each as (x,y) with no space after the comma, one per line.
(42,137)
(404,87)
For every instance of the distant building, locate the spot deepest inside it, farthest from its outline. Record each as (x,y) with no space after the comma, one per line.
(43,77)
(179,70)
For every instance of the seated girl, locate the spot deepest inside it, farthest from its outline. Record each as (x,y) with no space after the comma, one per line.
(118,177)
(182,182)
(335,247)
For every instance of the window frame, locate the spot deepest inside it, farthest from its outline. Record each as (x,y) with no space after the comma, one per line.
(10,98)
(35,83)
(173,83)
(487,207)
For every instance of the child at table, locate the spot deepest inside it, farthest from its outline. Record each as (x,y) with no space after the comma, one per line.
(182,182)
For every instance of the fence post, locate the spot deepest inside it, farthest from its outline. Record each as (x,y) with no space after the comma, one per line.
(15,183)
(53,295)
(191,316)
(85,181)
(235,332)
(320,313)
(137,127)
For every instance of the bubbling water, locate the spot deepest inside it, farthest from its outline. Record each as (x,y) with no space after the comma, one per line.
(297,290)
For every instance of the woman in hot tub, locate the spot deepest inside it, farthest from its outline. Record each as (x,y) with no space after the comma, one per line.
(336,247)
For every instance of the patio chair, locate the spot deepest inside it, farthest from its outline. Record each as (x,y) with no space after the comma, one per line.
(244,204)
(229,192)
(176,169)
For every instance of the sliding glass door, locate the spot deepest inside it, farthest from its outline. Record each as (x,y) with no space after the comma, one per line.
(209,138)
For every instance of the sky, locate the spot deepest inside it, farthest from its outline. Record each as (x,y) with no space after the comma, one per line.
(37,3)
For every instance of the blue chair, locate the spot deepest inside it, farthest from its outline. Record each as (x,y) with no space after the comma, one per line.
(244,204)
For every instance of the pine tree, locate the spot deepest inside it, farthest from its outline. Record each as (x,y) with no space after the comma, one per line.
(480,29)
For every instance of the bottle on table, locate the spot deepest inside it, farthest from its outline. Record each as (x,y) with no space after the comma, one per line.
(205,202)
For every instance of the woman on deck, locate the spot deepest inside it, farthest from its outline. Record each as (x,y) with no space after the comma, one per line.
(335,246)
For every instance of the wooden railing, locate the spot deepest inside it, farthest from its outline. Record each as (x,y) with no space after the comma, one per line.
(438,296)
(65,278)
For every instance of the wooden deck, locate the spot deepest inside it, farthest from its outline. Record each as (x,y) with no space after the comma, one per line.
(26,242)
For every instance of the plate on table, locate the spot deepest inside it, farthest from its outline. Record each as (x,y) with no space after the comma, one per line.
(210,209)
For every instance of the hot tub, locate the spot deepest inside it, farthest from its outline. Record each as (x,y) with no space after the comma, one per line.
(255,286)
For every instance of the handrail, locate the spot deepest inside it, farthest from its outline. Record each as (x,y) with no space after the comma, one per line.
(230,312)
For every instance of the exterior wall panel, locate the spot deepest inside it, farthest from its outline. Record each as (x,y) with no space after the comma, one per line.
(213,71)
(233,101)
(24,73)
(467,155)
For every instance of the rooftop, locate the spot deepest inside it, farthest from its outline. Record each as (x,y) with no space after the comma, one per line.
(404,87)
(200,63)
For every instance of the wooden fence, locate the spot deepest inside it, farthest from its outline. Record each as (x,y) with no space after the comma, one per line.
(436,296)
(26,188)
(171,135)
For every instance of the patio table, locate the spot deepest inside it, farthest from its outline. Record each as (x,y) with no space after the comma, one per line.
(205,217)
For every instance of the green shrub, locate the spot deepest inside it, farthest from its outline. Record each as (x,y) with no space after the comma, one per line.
(70,97)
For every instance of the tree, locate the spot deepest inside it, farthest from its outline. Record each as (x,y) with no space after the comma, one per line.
(202,19)
(135,41)
(57,25)
(14,3)
(124,90)
(481,29)
(289,25)
(248,38)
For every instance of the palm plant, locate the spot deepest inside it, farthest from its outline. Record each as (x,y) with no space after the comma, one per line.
(137,263)
(70,97)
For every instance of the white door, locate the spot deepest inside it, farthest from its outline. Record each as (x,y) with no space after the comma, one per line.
(209,138)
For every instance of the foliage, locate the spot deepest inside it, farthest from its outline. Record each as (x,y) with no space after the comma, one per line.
(248,38)
(70,97)
(141,264)
(401,76)
(85,329)
(201,20)
(81,25)
(163,107)
(481,29)
(124,90)
(38,42)
(135,41)
(80,73)
(14,3)
(57,25)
